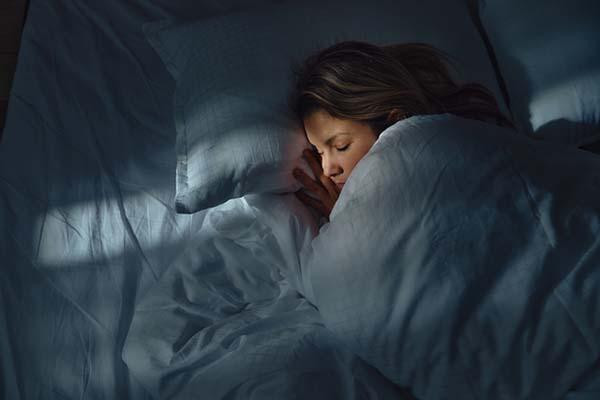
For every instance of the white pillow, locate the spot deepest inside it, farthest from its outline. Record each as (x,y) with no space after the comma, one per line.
(549,55)
(235,134)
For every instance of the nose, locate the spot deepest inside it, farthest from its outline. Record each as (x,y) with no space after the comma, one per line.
(330,166)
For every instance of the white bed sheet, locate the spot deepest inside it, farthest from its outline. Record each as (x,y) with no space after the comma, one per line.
(86,187)
(87,222)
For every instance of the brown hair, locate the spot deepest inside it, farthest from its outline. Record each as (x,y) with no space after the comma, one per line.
(379,85)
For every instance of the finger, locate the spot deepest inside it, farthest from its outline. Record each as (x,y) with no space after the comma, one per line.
(314,186)
(331,187)
(311,202)
(313,163)
(326,182)
(316,204)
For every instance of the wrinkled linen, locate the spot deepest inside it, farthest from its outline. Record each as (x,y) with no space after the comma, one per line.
(87,222)
(86,186)
(462,260)
(224,323)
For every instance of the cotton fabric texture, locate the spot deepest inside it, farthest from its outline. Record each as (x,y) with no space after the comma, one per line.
(461,259)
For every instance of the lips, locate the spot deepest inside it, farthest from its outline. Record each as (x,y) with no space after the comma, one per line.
(340,184)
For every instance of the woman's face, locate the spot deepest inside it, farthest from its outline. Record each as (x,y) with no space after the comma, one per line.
(341,143)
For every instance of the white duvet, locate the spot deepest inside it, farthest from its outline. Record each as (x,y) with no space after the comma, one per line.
(462,260)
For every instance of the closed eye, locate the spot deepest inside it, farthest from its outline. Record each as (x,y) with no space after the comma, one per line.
(341,149)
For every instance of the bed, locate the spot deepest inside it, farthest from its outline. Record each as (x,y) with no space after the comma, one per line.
(121,280)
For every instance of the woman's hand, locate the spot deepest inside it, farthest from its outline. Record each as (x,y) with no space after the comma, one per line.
(323,188)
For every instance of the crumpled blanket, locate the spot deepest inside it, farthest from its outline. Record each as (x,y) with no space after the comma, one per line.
(224,323)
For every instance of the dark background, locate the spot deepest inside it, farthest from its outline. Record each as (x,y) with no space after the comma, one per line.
(12,16)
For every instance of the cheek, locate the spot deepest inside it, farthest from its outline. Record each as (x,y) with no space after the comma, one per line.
(351,160)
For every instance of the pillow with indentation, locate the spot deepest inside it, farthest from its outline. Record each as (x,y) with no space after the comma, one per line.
(235,134)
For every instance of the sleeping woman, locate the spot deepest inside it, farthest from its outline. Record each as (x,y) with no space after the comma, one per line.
(461,260)
(348,94)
